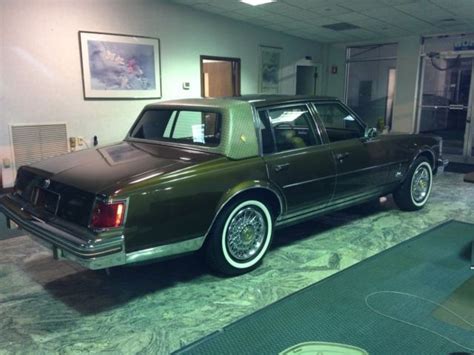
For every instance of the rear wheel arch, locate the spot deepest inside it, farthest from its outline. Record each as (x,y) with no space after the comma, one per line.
(428,154)
(264,194)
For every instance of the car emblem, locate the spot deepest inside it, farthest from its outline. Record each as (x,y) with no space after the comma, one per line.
(46,183)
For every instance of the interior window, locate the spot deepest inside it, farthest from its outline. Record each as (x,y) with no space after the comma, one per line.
(339,123)
(292,127)
(191,127)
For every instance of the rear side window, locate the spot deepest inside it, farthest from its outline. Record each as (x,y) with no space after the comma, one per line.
(339,123)
(292,127)
(190,127)
(287,128)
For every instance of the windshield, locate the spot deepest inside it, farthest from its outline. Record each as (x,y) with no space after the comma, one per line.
(180,126)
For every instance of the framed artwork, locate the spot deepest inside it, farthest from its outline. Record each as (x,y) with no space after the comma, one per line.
(270,66)
(120,66)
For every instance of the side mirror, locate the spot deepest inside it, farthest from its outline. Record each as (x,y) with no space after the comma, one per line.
(371,132)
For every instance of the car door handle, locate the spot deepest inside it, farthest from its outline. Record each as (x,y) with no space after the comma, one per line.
(281,167)
(342,156)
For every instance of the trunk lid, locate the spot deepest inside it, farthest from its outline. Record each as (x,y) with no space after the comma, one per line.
(67,186)
(109,167)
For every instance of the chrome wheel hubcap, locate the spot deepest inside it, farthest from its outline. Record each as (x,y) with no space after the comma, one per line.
(246,233)
(420,184)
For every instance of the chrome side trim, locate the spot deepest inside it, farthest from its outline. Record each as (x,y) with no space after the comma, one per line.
(373,167)
(164,251)
(98,263)
(347,173)
(309,181)
(312,212)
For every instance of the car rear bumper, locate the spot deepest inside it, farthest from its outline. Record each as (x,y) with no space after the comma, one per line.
(87,249)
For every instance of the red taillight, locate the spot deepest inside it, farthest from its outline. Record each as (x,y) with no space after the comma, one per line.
(109,215)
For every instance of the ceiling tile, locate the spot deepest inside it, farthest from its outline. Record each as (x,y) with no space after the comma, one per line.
(350,17)
(276,27)
(323,7)
(208,8)
(399,2)
(189,2)
(362,34)
(251,12)
(360,5)
(276,18)
(377,18)
(227,5)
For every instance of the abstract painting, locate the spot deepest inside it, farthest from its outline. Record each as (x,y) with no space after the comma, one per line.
(120,66)
(270,65)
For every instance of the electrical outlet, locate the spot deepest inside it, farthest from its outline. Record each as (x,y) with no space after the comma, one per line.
(6,163)
(72,143)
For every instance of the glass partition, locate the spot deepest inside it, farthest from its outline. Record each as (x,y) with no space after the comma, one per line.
(371,75)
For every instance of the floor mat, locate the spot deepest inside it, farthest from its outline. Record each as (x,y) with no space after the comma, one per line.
(413,298)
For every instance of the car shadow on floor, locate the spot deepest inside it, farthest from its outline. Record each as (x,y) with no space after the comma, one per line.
(92,292)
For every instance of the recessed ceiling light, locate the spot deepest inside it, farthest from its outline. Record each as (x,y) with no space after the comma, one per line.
(257,2)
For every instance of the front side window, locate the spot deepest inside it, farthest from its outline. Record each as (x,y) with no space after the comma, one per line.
(339,123)
(190,127)
(291,128)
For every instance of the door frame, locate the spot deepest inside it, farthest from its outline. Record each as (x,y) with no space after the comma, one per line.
(467,156)
(236,81)
(310,63)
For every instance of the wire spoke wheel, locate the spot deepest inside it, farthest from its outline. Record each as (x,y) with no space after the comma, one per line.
(246,233)
(420,183)
(414,191)
(241,237)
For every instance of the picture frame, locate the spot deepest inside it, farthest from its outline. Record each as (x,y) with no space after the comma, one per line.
(270,60)
(118,66)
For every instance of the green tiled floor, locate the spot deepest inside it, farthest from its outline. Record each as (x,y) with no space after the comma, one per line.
(48,306)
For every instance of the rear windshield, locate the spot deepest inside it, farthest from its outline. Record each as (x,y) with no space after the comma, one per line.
(190,127)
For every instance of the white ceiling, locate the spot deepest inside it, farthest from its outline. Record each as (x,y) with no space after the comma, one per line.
(377,19)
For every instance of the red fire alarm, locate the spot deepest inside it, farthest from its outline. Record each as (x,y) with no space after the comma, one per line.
(334,69)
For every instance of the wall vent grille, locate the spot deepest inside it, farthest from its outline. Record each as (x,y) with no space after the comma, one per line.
(32,143)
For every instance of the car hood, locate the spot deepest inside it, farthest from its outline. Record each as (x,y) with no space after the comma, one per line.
(110,167)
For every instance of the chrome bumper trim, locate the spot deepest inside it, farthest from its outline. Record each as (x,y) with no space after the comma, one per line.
(165,251)
(87,250)
(92,253)
(442,163)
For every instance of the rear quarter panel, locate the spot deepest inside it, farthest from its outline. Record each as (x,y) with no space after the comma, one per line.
(182,205)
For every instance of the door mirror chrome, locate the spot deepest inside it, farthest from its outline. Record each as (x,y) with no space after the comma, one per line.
(371,132)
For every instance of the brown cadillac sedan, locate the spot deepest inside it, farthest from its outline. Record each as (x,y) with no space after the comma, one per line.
(217,175)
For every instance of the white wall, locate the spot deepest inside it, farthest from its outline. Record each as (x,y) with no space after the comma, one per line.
(40,70)
(335,56)
(404,108)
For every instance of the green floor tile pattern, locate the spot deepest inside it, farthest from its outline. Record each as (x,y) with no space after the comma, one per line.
(48,306)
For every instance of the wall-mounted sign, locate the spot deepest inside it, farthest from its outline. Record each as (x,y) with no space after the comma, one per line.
(464,45)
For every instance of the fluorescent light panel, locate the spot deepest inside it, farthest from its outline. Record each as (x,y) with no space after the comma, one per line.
(257,2)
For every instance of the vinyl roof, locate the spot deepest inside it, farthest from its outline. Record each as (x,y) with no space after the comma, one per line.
(257,100)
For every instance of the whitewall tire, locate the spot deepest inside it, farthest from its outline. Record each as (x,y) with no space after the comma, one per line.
(415,190)
(240,237)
